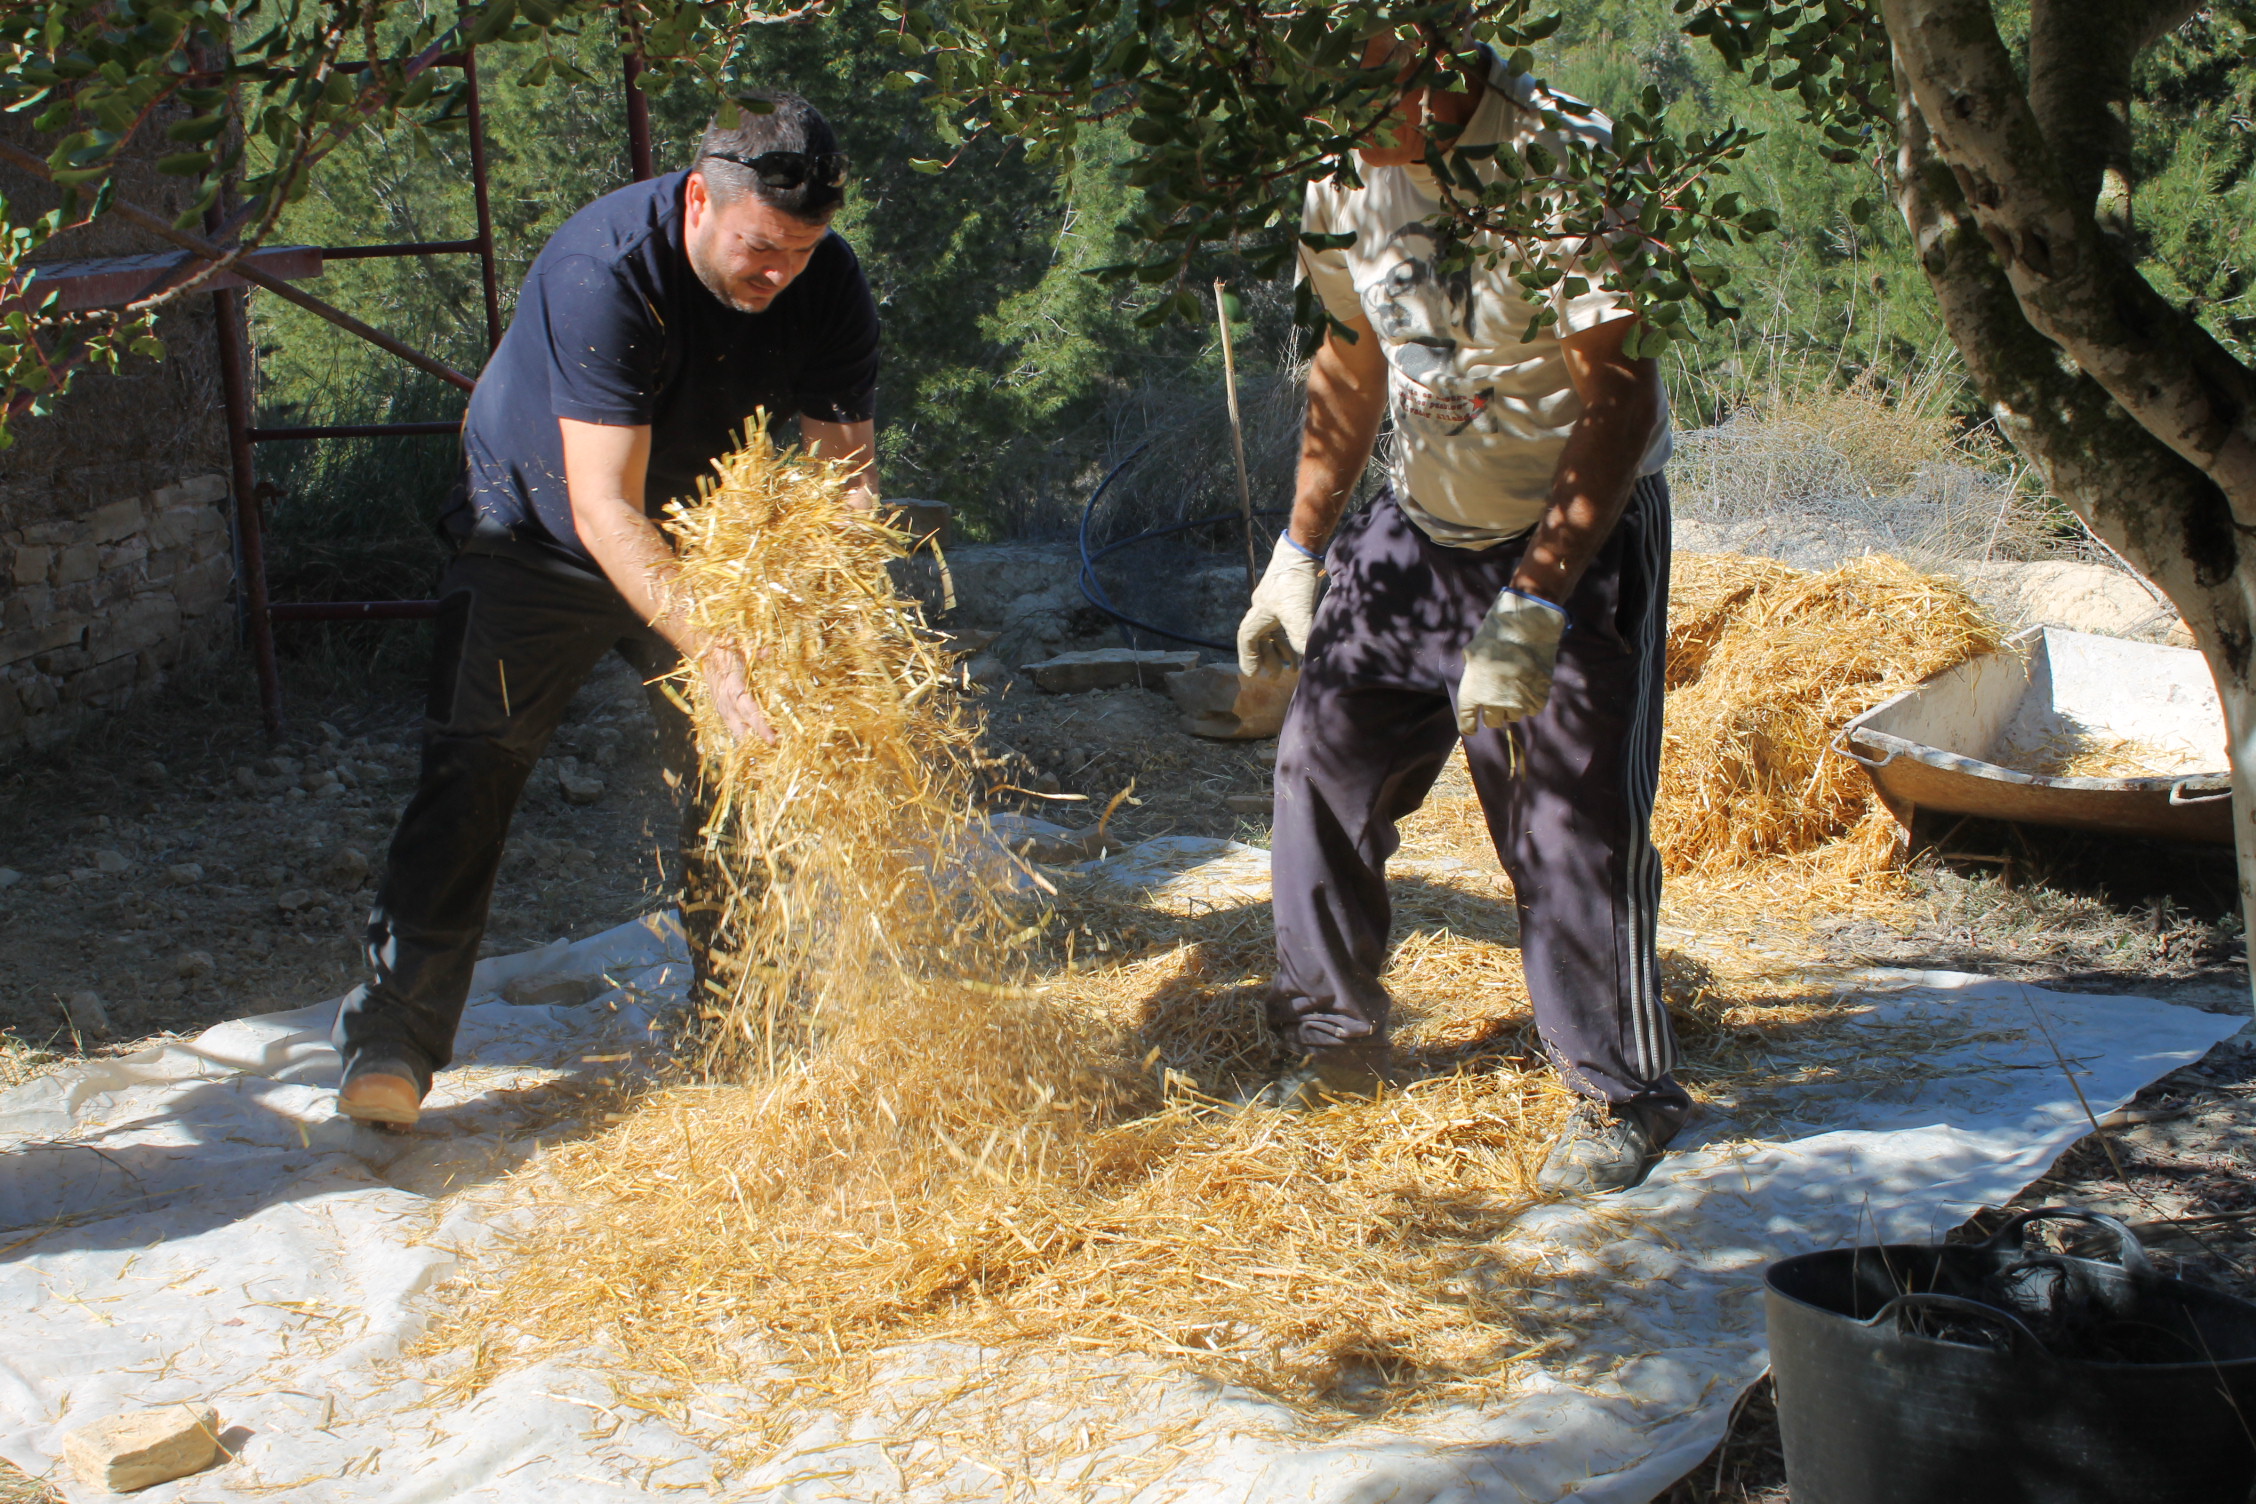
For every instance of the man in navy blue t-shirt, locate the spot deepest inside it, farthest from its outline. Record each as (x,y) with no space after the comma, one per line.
(652,326)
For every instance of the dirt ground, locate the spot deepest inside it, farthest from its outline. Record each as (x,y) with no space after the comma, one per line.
(182,870)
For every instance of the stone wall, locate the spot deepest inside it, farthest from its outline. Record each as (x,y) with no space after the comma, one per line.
(115,550)
(102,604)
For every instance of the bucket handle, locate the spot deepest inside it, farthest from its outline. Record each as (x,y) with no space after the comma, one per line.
(1902,1306)
(1841,745)
(2178,793)
(2129,1251)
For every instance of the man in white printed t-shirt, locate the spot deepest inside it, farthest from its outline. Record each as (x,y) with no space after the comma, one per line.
(1510,587)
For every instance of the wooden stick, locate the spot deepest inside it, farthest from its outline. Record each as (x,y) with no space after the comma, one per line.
(1237,432)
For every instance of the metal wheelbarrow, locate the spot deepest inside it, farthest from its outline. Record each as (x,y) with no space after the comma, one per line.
(1953,742)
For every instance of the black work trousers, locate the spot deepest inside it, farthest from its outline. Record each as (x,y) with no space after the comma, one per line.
(518,634)
(1370,729)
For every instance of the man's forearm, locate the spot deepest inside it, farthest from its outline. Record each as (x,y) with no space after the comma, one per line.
(1597,471)
(1346,400)
(855,442)
(1621,404)
(635,557)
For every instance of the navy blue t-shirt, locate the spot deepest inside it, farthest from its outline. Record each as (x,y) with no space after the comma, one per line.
(612,326)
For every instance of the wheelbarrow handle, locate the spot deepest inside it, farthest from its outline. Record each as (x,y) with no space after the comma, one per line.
(1896,1312)
(1841,745)
(2129,1251)
(2178,793)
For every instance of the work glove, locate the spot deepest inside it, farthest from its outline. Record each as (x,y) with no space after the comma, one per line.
(1509,662)
(1284,604)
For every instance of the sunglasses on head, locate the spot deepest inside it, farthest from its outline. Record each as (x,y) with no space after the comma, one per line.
(791,169)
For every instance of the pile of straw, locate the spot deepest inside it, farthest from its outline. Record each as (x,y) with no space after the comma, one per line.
(926,1108)
(928,1104)
(1766,665)
(831,840)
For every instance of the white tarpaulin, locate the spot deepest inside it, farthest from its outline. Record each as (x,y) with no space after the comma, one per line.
(195,1223)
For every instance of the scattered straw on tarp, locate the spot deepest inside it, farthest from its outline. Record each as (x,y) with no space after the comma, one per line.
(935,1103)
(1766,665)
(930,1102)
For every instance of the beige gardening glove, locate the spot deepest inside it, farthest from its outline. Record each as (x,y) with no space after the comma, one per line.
(1284,604)
(1509,662)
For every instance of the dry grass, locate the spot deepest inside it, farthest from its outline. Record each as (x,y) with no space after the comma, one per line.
(927,1108)
(1818,474)
(932,1105)
(1766,665)
(2080,753)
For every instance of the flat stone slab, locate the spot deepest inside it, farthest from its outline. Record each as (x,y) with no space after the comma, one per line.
(142,1448)
(1107,668)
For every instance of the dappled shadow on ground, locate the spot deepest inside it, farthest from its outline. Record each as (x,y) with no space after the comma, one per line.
(2067,908)
(222,1151)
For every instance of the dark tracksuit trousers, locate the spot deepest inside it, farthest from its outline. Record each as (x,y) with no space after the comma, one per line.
(519,631)
(1373,723)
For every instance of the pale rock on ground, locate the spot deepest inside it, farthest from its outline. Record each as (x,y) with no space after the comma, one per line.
(1028,595)
(144,1447)
(2065,593)
(1107,668)
(87,1013)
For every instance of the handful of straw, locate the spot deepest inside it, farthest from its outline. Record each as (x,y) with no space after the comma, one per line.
(831,844)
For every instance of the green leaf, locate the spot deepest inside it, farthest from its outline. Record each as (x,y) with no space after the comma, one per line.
(493,20)
(149,345)
(925,165)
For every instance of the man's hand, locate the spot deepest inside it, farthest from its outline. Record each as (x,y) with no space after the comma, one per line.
(1509,662)
(848,441)
(732,696)
(1284,605)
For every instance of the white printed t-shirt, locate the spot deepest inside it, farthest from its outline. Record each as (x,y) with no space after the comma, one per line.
(1480,418)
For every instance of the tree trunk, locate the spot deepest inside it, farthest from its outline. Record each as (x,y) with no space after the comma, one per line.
(2128,409)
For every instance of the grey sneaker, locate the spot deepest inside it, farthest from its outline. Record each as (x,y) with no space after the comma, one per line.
(1315,1082)
(1605,1149)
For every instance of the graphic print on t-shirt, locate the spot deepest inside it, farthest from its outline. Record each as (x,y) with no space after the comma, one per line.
(1431,319)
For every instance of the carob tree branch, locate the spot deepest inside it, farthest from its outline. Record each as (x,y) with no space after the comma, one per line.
(2174,524)
(2072,282)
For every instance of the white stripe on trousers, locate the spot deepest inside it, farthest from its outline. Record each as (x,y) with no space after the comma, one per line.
(1653,1039)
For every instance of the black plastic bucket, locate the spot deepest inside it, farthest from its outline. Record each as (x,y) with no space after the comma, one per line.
(1993,1374)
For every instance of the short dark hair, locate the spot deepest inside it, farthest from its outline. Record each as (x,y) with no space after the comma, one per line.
(788,123)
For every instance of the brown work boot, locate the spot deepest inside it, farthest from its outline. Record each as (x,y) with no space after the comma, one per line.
(381,1093)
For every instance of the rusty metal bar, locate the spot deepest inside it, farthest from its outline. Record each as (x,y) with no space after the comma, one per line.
(638,121)
(250,528)
(354,431)
(141,218)
(489,272)
(400,248)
